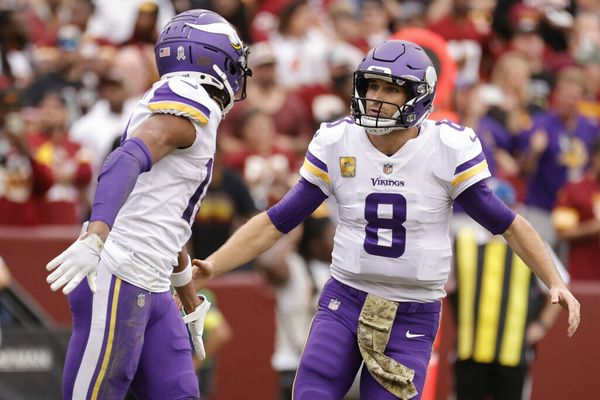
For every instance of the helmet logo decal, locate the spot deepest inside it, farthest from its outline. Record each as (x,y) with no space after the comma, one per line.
(223,29)
(180,53)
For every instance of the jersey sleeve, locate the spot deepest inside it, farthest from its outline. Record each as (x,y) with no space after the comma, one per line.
(183,98)
(463,159)
(315,169)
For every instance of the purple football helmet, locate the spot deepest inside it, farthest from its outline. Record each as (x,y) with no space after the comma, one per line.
(405,64)
(202,45)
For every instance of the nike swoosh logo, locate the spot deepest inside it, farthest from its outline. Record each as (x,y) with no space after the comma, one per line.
(192,85)
(473,138)
(413,335)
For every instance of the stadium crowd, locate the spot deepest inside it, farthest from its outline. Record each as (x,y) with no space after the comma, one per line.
(525,75)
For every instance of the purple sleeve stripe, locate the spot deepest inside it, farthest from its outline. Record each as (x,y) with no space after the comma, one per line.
(315,161)
(466,165)
(297,205)
(486,208)
(164,94)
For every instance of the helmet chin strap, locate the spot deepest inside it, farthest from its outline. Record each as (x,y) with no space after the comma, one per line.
(226,107)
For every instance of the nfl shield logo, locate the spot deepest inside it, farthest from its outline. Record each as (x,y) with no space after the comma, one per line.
(388,168)
(141,300)
(334,304)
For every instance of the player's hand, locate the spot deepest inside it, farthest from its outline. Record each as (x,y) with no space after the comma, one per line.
(202,272)
(195,323)
(78,261)
(562,296)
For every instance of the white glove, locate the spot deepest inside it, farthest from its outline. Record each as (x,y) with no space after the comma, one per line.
(79,260)
(195,323)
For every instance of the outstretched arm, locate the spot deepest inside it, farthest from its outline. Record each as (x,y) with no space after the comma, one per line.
(487,209)
(253,238)
(526,242)
(261,232)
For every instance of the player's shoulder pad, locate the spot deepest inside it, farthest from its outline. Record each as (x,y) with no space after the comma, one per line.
(183,96)
(454,136)
(331,132)
(188,88)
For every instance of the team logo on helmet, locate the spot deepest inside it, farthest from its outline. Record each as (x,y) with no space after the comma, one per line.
(348,167)
(223,29)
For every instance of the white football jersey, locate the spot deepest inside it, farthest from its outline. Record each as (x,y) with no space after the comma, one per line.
(155,222)
(392,238)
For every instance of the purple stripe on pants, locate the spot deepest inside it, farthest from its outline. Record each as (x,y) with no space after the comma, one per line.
(150,353)
(331,357)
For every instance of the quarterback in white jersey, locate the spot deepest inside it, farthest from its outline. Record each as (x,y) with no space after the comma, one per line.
(394,176)
(392,238)
(128,334)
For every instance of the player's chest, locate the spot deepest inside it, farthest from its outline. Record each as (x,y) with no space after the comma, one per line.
(385,188)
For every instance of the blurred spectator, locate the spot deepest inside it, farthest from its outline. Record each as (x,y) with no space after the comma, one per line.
(15,57)
(527,41)
(555,150)
(226,206)
(345,21)
(467,35)
(286,271)
(330,102)
(70,164)
(316,247)
(97,130)
(577,220)
(114,20)
(266,168)
(585,49)
(145,29)
(300,46)
(376,21)
(297,268)
(264,92)
(23,180)
(502,312)
(475,105)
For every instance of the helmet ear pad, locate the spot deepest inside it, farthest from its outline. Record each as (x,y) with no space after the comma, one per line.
(406,64)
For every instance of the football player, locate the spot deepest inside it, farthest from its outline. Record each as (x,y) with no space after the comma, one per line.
(394,175)
(127,331)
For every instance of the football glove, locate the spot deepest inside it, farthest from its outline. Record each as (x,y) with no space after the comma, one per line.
(195,323)
(78,261)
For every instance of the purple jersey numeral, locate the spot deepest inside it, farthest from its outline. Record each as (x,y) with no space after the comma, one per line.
(398,202)
(451,124)
(187,213)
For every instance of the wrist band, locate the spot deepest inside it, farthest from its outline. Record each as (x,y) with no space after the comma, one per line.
(179,279)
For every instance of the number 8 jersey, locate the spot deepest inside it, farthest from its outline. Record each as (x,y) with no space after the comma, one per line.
(392,238)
